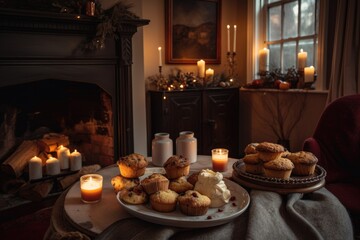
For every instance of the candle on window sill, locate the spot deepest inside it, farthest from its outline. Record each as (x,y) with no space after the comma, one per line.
(302,57)
(63,154)
(219,157)
(52,166)
(264,60)
(75,161)
(91,188)
(201,68)
(309,73)
(35,168)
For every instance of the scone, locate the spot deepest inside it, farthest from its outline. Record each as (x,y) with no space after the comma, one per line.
(269,151)
(120,182)
(135,195)
(251,148)
(164,201)
(180,185)
(193,178)
(133,165)
(304,163)
(177,166)
(278,168)
(155,182)
(192,203)
(253,164)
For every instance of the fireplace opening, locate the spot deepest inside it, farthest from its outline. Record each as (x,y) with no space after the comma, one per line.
(81,111)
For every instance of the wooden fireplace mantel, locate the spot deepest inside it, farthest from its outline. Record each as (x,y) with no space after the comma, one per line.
(37,45)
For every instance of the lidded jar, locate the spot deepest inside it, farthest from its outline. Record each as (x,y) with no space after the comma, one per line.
(162,148)
(186,145)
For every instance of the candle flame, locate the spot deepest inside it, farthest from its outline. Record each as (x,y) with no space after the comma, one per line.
(228,26)
(159,48)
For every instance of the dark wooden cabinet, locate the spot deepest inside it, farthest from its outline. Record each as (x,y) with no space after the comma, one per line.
(212,114)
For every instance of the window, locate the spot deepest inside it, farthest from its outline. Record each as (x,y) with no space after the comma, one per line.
(291,25)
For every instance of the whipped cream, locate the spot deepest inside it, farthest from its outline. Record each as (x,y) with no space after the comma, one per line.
(211,184)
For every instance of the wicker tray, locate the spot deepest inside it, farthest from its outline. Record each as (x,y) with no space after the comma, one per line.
(302,184)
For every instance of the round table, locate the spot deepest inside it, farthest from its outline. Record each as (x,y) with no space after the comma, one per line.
(92,219)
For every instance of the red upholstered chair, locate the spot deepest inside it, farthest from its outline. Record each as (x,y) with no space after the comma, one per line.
(336,143)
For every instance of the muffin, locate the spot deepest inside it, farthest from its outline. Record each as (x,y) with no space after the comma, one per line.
(155,182)
(133,165)
(253,164)
(251,148)
(278,168)
(120,182)
(304,163)
(193,178)
(164,201)
(269,151)
(180,185)
(135,195)
(177,166)
(192,203)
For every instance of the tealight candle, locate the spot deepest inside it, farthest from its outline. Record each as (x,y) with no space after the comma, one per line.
(52,166)
(75,161)
(35,168)
(63,154)
(91,188)
(219,157)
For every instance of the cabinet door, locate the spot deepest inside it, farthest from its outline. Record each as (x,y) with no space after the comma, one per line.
(183,113)
(221,120)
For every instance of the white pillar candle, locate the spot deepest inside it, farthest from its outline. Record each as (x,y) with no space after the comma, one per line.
(63,154)
(234,38)
(52,166)
(228,38)
(302,57)
(209,74)
(160,60)
(309,74)
(75,161)
(201,68)
(264,60)
(35,168)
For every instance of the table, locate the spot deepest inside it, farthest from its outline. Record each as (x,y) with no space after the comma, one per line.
(318,215)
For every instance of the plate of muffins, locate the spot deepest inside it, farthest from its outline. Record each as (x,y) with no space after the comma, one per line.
(268,166)
(173,195)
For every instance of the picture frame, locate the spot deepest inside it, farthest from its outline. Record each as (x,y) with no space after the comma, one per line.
(192,31)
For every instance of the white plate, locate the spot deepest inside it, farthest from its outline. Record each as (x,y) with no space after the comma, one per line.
(213,217)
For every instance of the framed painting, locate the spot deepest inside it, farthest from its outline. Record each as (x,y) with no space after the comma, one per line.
(192,31)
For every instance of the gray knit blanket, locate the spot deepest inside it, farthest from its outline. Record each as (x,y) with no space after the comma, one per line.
(317,215)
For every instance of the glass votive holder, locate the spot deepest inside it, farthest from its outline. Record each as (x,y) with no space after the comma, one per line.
(219,157)
(91,188)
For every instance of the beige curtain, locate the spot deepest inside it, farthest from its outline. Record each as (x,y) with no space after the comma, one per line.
(345,66)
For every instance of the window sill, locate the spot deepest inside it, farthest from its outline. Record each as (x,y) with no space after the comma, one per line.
(290,91)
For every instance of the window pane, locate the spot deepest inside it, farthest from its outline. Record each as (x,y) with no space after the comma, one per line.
(274,56)
(274,23)
(291,12)
(289,55)
(307,25)
(272,1)
(308,46)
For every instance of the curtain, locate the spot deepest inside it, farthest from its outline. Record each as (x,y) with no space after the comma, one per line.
(345,65)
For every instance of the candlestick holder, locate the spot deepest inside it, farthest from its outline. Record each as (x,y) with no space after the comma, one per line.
(160,70)
(231,63)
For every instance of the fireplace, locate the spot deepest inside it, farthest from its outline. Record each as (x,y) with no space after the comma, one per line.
(57,86)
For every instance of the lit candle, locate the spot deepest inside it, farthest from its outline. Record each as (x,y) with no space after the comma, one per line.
(302,56)
(52,166)
(309,74)
(160,61)
(264,60)
(63,154)
(75,161)
(209,74)
(201,68)
(91,188)
(35,168)
(219,157)
(228,38)
(234,38)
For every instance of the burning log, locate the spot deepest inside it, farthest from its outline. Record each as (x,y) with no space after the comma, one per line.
(54,140)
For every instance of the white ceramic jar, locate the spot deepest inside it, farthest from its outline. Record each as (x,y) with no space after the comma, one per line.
(186,145)
(162,148)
